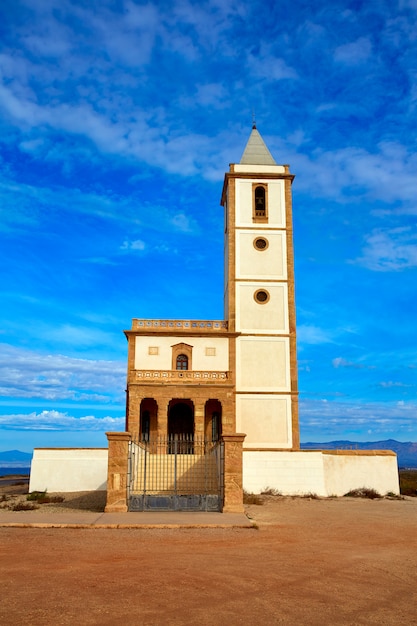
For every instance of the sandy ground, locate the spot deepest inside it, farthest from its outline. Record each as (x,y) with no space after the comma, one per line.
(14,489)
(334,561)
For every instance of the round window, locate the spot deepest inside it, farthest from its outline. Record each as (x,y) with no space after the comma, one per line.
(260,243)
(261,296)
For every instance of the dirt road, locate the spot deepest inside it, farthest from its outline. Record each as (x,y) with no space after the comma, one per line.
(342,561)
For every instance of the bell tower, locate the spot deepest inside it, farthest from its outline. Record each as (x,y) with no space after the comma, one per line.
(259,297)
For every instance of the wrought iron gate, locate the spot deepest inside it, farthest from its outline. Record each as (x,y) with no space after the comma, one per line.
(176,473)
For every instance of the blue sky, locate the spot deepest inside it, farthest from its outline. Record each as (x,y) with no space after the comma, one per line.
(118,121)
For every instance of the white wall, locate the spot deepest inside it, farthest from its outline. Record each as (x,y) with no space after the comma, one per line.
(344,472)
(291,473)
(267,264)
(163,359)
(252,317)
(69,469)
(321,473)
(266,420)
(276,203)
(262,169)
(262,364)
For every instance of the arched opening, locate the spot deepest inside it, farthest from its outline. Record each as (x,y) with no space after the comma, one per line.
(182,362)
(148,423)
(213,420)
(181,427)
(181,418)
(182,356)
(260,202)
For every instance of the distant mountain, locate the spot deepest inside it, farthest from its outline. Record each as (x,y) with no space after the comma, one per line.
(406,451)
(15,458)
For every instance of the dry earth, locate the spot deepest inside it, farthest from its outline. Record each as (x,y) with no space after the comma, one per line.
(328,561)
(13,491)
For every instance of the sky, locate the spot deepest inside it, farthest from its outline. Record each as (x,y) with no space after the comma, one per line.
(118,121)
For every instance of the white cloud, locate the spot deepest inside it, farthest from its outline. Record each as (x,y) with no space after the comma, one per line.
(354,52)
(137,244)
(57,421)
(335,419)
(388,250)
(27,374)
(341,362)
(183,223)
(269,67)
(312,335)
(129,212)
(355,174)
(390,383)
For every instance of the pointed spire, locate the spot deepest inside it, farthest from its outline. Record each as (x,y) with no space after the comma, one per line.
(256,152)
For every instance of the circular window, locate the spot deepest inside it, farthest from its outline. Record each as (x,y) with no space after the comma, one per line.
(261,296)
(260,243)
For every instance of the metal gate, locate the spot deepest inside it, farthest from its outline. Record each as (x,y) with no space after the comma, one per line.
(176,473)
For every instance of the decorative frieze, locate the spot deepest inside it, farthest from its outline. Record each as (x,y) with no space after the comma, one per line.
(175,376)
(189,325)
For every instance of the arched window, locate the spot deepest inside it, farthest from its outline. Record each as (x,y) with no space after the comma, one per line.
(182,356)
(182,362)
(260,202)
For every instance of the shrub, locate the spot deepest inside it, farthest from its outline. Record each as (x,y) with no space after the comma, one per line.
(42,498)
(252,498)
(24,506)
(270,491)
(36,495)
(390,495)
(363,492)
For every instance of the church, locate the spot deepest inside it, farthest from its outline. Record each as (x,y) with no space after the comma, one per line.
(239,374)
(212,405)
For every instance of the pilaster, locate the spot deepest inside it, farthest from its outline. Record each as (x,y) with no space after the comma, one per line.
(117,472)
(233,485)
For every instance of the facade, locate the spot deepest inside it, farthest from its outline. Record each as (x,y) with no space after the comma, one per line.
(211,377)
(219,397)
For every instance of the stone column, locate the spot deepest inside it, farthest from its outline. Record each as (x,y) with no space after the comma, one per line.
(117,472)
(233,488)
(199,415)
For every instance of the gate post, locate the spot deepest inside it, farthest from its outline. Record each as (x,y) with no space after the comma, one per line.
(117,472)
(233,488)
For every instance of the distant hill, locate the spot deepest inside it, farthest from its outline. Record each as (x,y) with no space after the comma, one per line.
(406,451)
(15,458)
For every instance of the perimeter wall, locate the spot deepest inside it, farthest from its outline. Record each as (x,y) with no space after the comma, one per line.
(69,469)
(321,472)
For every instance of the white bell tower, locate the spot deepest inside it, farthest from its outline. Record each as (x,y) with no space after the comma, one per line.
(259,297)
